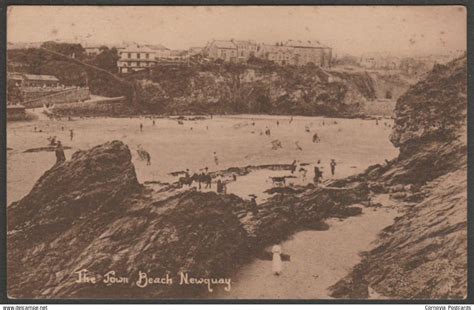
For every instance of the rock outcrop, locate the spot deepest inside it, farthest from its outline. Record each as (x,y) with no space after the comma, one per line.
(90,213)
(423,255)
(434,109)
(241,88)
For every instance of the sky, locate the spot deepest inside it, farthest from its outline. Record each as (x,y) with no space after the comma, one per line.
(356,30)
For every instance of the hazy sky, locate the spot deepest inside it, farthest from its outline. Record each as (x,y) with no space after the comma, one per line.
(353,29)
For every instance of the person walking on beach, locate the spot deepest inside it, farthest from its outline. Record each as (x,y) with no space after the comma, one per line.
(298,147)
(141,127)
(316,138)
(333,167)
(60,157)
(216,159)
(71,133)
(153,123)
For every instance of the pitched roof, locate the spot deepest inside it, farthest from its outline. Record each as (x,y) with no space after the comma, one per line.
(36,77)
(15,76)
(276,48)
(157,47)
(224,44)
(138,48)
(249,42)
(178,53)
(306,44)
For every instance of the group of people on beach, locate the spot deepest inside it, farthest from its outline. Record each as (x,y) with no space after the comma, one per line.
(318,173)
(204,180)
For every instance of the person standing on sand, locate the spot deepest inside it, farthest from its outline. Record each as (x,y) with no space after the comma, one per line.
(318,174)
(141,127)
(253,204)
(293,166)
(333,167)
(219,185)
(71,133)
(216,159)
(207,180)
(153,122)
(60,157)
(276,260)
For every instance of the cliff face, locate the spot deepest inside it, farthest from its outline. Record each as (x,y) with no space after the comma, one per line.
(433,109)
(424,253)
(250,89)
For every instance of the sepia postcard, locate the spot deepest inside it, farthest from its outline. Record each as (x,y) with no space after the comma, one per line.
(236,152)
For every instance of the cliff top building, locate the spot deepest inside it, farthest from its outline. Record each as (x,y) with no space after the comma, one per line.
(136,58)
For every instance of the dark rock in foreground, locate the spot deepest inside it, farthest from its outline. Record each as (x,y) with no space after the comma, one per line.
(90,213)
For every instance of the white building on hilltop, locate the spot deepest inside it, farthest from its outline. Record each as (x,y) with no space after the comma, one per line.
(136,58)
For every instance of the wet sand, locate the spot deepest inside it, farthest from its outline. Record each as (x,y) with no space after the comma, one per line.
(318,260)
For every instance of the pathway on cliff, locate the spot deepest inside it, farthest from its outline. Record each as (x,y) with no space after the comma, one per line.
(318,259)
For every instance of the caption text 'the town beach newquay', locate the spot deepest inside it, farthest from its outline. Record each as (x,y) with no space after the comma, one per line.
(144,280)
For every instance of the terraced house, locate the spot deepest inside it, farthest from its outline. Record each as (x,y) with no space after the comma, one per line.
(310,51)
(292,52)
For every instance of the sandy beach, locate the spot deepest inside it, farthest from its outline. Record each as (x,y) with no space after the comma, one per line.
(318,260)
(174,147)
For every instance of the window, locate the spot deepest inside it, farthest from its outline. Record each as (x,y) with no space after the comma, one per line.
(129,55)
(138,55)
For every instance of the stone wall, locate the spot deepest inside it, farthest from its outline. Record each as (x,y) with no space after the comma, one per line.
(98,107)
(70,95)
